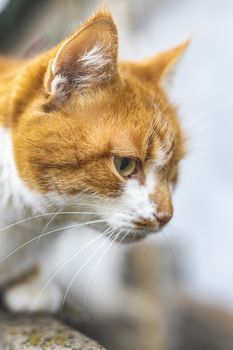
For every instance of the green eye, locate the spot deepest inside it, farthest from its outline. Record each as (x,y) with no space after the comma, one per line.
(125,166)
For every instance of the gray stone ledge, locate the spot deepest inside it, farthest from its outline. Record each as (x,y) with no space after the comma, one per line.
(40,332)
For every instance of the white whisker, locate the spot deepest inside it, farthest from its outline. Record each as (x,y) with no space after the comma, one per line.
(81,268)
(47,233)
(97,264)
(44,215)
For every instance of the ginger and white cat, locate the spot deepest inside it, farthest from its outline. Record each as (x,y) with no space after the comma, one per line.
(87,142)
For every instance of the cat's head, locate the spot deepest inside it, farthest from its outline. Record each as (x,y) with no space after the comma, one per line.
(88,127)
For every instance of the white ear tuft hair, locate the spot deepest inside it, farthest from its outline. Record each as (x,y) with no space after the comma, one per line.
(86,60)
(93,67)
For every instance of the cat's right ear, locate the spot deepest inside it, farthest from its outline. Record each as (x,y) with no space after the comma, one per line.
(84,61)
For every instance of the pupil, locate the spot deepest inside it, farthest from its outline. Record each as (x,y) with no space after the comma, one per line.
(124,163)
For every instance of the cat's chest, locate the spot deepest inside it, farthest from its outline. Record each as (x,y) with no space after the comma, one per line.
(21,242)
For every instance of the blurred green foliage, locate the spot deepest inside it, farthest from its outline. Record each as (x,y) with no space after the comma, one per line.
(12,18)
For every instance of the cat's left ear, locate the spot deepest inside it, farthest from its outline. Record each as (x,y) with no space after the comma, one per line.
(85,60)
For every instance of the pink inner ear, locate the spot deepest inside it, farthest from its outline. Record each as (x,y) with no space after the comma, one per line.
(85,60)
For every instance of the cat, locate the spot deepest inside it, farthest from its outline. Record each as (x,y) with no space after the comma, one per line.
(86,141)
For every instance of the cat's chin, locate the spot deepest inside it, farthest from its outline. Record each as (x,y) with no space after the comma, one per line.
(132,237)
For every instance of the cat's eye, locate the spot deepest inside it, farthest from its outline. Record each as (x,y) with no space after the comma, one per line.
(125,166)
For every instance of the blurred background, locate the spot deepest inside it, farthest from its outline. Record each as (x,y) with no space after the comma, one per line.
(195,252)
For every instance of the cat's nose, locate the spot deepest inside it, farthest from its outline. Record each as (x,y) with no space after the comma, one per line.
(163,217)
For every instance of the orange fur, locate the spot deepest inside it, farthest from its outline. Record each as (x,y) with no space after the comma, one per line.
(67,145)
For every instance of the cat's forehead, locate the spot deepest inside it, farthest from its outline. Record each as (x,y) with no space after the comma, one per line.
(115,109)
(123,97)
(123,106)
(124,118)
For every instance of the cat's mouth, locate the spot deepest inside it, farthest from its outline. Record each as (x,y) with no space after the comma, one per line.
(132,236)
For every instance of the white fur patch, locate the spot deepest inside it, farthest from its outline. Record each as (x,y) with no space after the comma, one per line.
(133,205)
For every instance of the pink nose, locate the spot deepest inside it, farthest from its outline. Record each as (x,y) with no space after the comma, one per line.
(163,218)
(160,219)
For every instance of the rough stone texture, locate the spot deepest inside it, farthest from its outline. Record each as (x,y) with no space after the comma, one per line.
(35,332)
